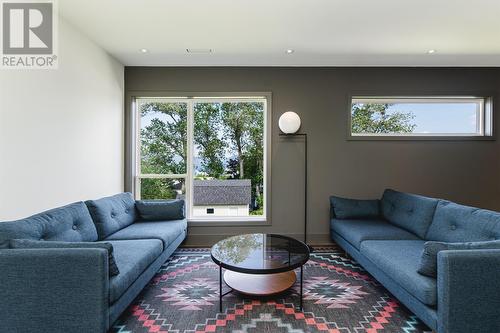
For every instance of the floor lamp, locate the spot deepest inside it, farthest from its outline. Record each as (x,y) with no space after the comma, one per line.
(289,124)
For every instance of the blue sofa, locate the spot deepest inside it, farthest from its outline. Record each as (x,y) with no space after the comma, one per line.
(387,238)
(70,290)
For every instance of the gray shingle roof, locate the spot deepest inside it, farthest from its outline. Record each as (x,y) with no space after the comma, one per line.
(222,192)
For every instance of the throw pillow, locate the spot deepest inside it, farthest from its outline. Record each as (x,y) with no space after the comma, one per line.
(160,210)
(428,260)
(353,209)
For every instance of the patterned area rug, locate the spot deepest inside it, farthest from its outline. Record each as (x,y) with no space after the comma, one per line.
(339,297)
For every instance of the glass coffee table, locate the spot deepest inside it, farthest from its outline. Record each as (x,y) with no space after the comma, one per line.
(259,264)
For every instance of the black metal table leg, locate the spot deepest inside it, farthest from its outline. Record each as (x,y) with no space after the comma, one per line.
(220,289)
(301,282)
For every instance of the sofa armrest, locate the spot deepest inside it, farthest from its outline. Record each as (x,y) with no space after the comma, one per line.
(468,286)
(54,290)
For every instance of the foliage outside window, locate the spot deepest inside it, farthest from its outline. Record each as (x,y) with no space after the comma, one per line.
(420,116)
(209,151)
(163,148)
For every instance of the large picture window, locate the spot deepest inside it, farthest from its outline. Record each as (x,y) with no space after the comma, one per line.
(420,117)
(209,151)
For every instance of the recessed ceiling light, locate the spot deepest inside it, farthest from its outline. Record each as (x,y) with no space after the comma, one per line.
(289,51)
(431,51)
(199,50)
(144,50)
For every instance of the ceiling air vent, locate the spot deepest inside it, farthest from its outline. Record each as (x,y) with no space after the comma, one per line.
(199,51)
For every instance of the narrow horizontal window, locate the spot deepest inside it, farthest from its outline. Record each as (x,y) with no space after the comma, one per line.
(420,117)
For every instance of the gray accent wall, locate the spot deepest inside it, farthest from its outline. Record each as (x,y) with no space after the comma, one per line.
(464,171)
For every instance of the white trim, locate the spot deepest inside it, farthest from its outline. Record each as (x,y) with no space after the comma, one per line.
(228,219)
(227,99)
(417,99)
(162,176)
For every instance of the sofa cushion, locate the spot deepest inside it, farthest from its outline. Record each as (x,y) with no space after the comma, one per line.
(166,231)
(36,244)
(408,211)
(113,213)
(457,223)
(399,260)
(71,223)
(428,260)
(132,257)
(160,210)
(355,209)
(356,231)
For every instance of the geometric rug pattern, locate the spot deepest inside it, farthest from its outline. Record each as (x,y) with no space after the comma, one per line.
(339,297)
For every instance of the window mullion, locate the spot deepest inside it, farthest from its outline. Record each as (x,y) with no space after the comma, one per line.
(190,153)
(137,189)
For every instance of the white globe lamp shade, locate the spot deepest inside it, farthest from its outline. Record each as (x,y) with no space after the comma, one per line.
(289,122)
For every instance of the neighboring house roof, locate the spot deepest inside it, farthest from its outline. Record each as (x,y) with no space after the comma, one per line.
(222,192)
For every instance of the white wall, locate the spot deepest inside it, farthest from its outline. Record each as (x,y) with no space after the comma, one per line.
(61,131)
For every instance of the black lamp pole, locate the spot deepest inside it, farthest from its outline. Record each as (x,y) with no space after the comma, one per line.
(304,135)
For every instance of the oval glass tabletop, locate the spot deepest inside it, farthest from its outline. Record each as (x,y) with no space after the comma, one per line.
(260,253)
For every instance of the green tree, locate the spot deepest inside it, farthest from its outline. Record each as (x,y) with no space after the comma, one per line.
(233,168)
(254,158)
(239,121)
(237,248)
(163,140)
(163,147)
(206,138)
(160,188)
(374,118)
(243,125)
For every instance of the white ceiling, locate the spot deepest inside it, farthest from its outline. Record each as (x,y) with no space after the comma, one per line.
(322,32)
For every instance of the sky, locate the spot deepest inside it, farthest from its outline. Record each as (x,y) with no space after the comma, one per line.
(440,117)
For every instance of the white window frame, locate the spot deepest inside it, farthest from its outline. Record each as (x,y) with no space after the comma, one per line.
(137,158)
(189,175)
(484,126)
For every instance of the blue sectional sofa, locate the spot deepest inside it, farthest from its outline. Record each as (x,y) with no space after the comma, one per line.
(387,237)
(70,289)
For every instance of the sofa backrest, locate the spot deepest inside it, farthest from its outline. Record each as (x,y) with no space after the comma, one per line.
(457,223)
(71,223)
(411,212)
(111,214)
